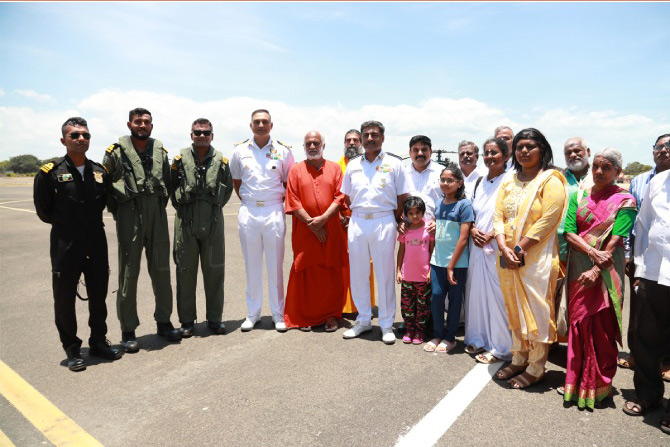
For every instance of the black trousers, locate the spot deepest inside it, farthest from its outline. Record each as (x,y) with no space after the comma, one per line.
(632,320)
(652,339)
(87,256)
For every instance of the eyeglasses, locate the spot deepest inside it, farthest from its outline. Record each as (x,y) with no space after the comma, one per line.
(76,135)
(206,133)
(316,144)
(448,181)
(659,147)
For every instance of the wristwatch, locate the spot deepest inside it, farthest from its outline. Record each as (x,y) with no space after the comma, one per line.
(518,249)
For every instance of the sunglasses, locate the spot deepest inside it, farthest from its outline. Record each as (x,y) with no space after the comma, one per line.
(206,133)
(659,147)
(76,135)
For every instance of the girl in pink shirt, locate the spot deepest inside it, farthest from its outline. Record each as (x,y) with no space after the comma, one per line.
(413,272)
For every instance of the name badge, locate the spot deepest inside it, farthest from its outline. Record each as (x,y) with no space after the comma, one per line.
(98,177)
(65,177)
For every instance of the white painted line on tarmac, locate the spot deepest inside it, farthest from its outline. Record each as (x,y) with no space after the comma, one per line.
(17,209)
(16,201)
(436,423)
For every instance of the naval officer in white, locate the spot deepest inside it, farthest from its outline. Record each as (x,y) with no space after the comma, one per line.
(375,188)
(259,167)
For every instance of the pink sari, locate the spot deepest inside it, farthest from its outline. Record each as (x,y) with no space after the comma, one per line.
(595,312)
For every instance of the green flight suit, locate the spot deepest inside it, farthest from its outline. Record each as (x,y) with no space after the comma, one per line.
(141,187)
(200,190)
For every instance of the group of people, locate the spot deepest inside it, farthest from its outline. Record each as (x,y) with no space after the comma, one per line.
(531,252)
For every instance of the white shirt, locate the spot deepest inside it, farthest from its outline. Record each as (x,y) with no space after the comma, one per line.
(374,187)
(652,229)
(263,171)
(470,181)
(425,184)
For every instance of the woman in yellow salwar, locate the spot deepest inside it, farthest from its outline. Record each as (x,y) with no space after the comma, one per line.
(529,209)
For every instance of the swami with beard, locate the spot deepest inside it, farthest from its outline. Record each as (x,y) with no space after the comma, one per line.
(140,174)
(315,293)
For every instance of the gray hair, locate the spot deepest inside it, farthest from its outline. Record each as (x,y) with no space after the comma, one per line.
(321,137)
(612,155)
(576,140)
(467,143)
(499,128)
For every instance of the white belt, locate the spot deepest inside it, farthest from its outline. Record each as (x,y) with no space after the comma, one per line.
(261,202)
(368,216)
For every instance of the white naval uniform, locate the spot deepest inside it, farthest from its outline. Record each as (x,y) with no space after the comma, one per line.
(471,179)
(426,185)
(261,220)
(373,189)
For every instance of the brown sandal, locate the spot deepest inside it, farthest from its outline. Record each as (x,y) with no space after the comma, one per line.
(523,381)
(638,407)
(508,372)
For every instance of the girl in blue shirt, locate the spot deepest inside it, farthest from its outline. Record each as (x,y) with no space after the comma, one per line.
(449,262)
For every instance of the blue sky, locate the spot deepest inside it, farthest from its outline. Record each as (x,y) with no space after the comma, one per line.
(450,71)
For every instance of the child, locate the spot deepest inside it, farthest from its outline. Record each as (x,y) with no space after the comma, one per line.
(449,263)
(413,272)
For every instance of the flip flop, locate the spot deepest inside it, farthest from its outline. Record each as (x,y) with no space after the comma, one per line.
(487,358)
(445,346)
(637,407)
(306,328)
(430,346)
(627,362)
(509,371)
(523,381)
(472,349)
(331,325)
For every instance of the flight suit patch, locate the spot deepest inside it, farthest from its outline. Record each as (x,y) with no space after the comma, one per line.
(65,177)
(98,177)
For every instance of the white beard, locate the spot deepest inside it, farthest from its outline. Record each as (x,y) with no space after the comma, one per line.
(578,165)
(314,157)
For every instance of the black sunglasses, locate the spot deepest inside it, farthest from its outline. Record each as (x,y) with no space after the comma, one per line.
(660,147)
(206,133)
(76,135)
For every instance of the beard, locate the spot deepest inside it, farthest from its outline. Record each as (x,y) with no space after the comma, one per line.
(577,165)
(314,157)
(351,151)
(138,136)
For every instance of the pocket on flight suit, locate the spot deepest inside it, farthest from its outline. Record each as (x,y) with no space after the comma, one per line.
(161,242)
(217,247)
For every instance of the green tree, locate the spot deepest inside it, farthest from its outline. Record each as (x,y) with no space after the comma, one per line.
(636,168)
(3,165)
(24,164)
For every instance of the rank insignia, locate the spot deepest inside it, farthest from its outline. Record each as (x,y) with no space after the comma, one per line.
(65,177)
(224,160)
(47,167)
(98,177)
(110,149)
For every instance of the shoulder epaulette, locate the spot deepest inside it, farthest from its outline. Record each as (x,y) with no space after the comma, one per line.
(47,167)
(224,160)
(177,157)
(166,151)
(394,155)
(111,148)
(285,145)
(241,142)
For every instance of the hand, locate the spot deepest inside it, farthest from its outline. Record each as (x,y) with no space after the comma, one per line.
(512,261)
(431,228)
(402,227)
(320,234)
(630,268)
(428,276)
(603,259)
(636,284)
(398,277)
(588,278)
(478,237)
(450,276)
(316,223)
(344,221)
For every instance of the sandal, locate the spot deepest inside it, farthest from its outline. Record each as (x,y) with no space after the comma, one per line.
(417,340)
(406,339)
(665,423)
(431,345)
(627,362)
(509,371)
(523,381)
(445,346)
(472,349)
(331,325)
(306,328)
(487,358)
(561,390)
(637,407)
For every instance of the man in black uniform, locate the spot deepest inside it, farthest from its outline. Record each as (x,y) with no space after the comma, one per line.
(70,194)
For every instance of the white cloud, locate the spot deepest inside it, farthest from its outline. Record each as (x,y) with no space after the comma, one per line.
(2,92)
(32,94)
(445,120)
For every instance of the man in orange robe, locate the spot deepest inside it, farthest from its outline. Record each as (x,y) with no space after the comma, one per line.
(352,148)
(315,293)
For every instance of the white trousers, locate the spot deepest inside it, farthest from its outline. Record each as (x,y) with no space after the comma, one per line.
(373,239)
(262,229)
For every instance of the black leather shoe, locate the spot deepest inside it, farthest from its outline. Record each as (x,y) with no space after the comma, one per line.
(75,361)
(168,332)
(217,328)
(129,342)
(104,349)
(187,329)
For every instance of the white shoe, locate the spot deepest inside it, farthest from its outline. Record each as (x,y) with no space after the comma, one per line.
(388,336)
(357,330)
(248,324)
(280,326)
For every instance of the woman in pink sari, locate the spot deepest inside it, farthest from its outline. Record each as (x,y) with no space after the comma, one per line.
(595,226)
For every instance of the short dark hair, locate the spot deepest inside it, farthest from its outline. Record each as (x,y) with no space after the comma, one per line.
(356,131)
(203,121)
(547,157)
(500,144)
(453,167)
(420,139)
(260,111)
(662,136)
(371,123)
(75,121)
(139,111)
(414,202)
(468,143)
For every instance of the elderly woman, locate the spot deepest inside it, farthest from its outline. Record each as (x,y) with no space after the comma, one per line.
(486,326)
(529,208)
(595,227)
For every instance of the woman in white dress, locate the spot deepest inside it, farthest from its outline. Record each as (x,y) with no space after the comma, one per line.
(486,325)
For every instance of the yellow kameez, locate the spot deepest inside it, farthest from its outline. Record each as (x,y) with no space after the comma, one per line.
(532,209)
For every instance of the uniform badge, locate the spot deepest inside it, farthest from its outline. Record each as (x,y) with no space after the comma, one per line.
(268,155)
(224,160)
(384,183)
(47,167)
(273,151)
(97,176)
(65,177)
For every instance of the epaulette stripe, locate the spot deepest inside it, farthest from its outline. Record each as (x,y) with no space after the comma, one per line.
(394,155)
(285,145)
(224,160)
(47,167)
(177,157)
(241,142)
(166,151)
(110,149)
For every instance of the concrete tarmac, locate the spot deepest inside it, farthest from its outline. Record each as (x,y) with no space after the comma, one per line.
(261,388)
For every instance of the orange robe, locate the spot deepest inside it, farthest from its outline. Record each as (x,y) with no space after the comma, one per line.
(349,306)
(315,290)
